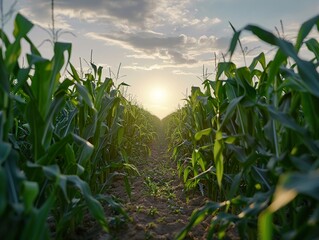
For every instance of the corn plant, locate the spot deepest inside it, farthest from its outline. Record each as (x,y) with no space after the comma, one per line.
(62,140)
(255,142)
(141,126)
(37,180)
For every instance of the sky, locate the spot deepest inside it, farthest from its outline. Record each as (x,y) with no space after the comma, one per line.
(161,46)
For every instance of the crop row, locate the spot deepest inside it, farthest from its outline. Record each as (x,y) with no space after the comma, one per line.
(250,141)
(62,140)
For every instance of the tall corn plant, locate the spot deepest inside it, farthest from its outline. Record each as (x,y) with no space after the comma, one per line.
(100,119)
(266,139)
(36,184)
(140,130)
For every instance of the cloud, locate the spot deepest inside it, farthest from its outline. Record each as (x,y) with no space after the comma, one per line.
(125,14)
(133,13)
(147,28)
(147,68)
(200,23)
(40,14)
(181,72)
(180,49)
(158,66)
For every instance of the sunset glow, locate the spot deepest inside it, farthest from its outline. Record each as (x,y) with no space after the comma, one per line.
(158,95)
(171,40)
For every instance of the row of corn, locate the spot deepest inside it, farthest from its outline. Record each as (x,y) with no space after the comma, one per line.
(249,141)
(62,140)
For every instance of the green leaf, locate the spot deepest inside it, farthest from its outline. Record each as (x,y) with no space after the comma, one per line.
(41,95)
(307,184)
(202,133)
(5,149)
(123,84)
(259,59)
(54,150)
(290,123)
(120,135)
(107,106)
(310,109)
(244,79)
(30,191)
(36,225)
(36,124)
(186,173)
(4,77)
(234,41)
(230,139)
(101,92)
(218,157)
(236,180)
(23,76)
(3,191)
(230,109)
(198,216)
(265,224)
(74,74)
(12,174)
(12,55)
(194,158)
(285,119)
(94,206)
(114,205)
(228,68)
(34,49)
(55,108)
(21,26)
(99,73)
(128,188)
(313,45)
(57,64)
(86,150)
(305,30)
(306,69)
(85,95)
(4,38)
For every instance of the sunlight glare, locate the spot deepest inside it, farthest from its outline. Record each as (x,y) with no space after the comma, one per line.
(158,94)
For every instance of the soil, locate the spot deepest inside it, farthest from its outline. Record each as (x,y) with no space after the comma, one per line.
(158,207)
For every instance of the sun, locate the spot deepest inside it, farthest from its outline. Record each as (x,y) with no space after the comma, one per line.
(158,94)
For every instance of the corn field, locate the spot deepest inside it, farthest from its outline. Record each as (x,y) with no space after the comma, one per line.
(62,140)
(248,140)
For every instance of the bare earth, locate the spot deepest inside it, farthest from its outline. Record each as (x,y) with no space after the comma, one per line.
(158,206)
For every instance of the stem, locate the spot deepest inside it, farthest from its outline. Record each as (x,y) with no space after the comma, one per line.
(273,121)
(52,20)
(2,23)
(1,12)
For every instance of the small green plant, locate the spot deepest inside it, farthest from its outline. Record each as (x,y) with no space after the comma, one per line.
(151,225)
(152,186)
(139,208)
(153,211)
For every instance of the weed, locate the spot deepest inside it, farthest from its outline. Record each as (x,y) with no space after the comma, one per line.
(152,211)
(152,186)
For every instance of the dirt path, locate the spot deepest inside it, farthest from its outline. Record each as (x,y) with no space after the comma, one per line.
(158,206)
